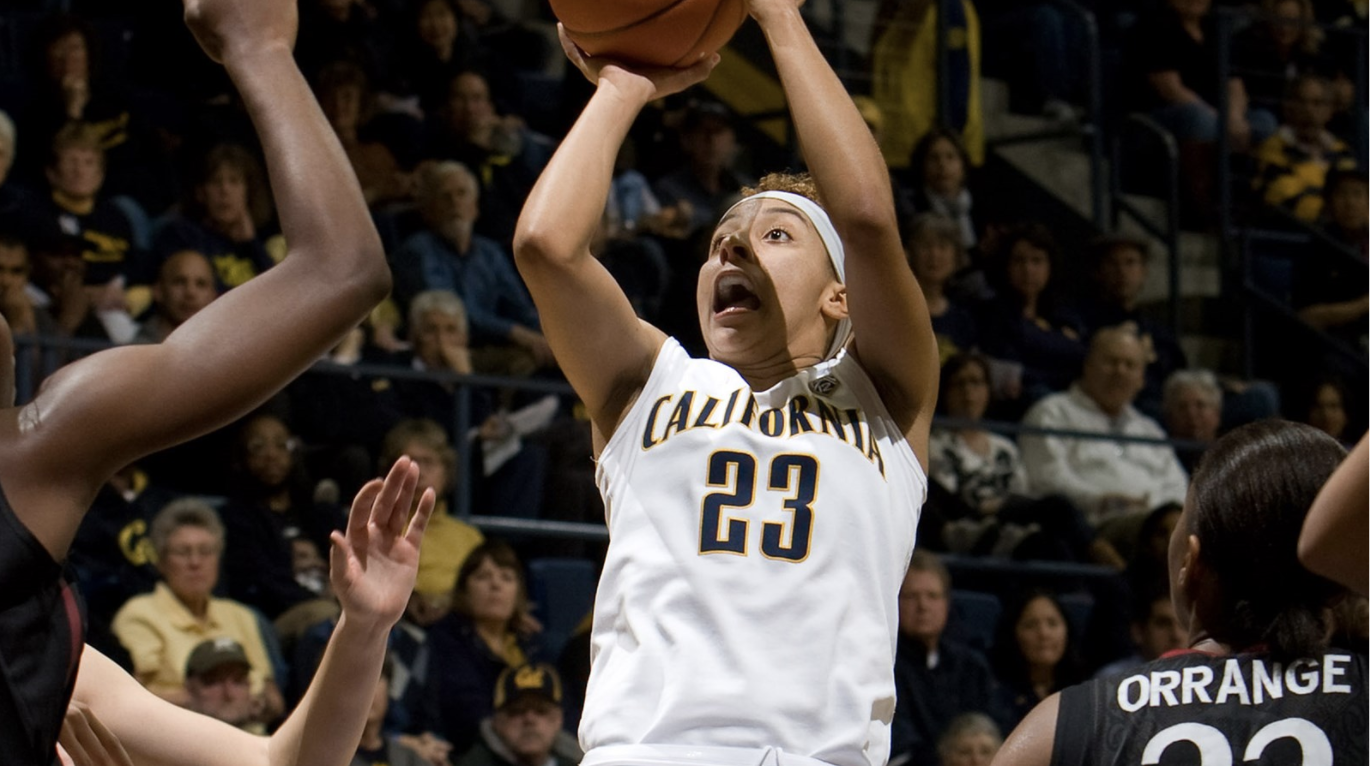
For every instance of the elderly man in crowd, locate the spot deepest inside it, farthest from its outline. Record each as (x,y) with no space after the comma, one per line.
(449,255)
(936,678)
(1108,480)
(526,727)
(1193,406)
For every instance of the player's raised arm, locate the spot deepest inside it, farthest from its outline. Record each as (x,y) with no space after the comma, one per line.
(605,351)
(894,338)
(97,415)
(1332,542)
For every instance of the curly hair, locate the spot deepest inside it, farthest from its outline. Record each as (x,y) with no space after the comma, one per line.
(794,183)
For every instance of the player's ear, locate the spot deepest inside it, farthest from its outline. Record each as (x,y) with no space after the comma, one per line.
(1191,569)
(835,302)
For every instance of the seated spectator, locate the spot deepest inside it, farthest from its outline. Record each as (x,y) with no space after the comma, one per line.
(1155,631)
(345,97)
(434,47)
(112,556)
(1295,161)
(1119,269)
(447,541)
(17,301)
(935,254)
(1174,54)
(525,729)
(161,629)
(629,240)
(1037,48)
(709,180)
(1034,653)
(59,282)
(1284,44)
(1107,480)
(477,642)
(438,328)
(1325,407)
(449,255)
(217,682)
(984,488)
(76,208)
(272,506)
(972,739)
(376,748)
(505,156)
(185,284)
(940,170)
(1346,211)
(1193,406)
(226,217)
(1328,281)
(1026,323)
(69,86)
(936,678)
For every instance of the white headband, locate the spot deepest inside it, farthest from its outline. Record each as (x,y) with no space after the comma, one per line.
(831,242)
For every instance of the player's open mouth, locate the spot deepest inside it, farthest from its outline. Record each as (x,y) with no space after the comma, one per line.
(733,294)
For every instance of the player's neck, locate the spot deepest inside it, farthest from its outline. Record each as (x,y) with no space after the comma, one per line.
(764,374)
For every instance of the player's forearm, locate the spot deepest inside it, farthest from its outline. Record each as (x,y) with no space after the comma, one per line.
(564,209)
(322,212)
(840,152)
(325,728)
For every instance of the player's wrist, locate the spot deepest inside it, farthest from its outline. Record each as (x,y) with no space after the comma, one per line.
(252,56)
(627,88)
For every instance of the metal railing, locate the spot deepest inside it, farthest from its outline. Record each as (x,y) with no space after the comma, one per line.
(1169,230)
(52,350)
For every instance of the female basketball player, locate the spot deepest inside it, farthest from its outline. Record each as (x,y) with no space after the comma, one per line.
(1259,682)
(761,503)
(103,412)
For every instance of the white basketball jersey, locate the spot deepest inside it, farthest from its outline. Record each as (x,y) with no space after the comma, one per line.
(757,544)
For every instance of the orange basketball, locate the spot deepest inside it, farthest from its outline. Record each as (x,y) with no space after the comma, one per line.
(654,32)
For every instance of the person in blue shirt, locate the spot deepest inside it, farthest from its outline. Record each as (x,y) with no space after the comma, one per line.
(448,254)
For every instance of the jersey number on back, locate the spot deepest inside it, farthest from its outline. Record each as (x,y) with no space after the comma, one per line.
(1215,751)
(735,473)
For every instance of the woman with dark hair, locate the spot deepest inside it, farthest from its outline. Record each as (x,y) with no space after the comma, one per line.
(344,93)
(473,645)
(984,487)
(1034,652)
(226,217)
(1324,406)
(270,510)
(1259,671)
(1026,322)
(940,169)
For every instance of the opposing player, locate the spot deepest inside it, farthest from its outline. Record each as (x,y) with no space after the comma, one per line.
(761,503)
(1333,542)
(97,415)
(1258,683)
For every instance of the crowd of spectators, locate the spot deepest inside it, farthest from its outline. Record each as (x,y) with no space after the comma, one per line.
(132,196)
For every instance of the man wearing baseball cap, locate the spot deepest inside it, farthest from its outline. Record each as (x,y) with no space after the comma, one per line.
(526,727)
(216,680)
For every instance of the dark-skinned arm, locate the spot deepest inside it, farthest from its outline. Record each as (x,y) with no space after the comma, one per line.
(1332,543)
(1032,742)
(101,413)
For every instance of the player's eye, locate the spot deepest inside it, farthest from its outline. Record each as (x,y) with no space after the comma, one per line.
(777,234)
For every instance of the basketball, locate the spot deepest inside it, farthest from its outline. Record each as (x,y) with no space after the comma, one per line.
(674,33)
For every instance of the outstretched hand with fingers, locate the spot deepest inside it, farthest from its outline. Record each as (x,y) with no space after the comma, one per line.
(374,564)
